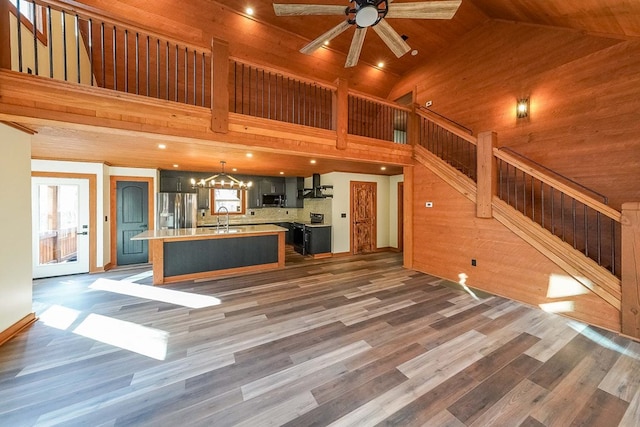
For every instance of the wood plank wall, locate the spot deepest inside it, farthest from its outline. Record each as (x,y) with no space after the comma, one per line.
(448,236)
(584,91)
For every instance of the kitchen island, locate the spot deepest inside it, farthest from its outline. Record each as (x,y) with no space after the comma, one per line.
(198,253)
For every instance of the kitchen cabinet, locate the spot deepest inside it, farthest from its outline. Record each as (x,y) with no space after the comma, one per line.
(272,185)
(254,194)
(317,239)
(204,195)
(294,190)
(177,182)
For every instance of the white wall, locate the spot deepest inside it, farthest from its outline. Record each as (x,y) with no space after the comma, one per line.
(340,205)
(393,209)
(15,216)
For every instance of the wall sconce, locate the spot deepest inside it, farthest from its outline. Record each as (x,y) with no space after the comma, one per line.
(522,108)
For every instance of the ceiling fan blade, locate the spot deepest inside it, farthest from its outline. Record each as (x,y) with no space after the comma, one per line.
(329,35)
(307,9)
(391,38)
(424,10)
(356,47)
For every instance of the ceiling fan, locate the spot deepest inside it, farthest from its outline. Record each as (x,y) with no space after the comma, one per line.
(369,13)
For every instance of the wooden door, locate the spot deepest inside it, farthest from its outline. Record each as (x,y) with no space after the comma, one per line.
(363,215)
(132,218)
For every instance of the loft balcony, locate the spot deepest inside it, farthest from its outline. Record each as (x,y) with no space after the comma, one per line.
(77,71)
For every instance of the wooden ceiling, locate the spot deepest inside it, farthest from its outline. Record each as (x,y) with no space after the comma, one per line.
(609,18)
(613,18)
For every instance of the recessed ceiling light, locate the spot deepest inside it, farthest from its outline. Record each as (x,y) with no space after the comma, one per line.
(249,154)
(383,168)
(162,146)
(281,173)
(326,43)
(313,162)
(414,52)
(234,170)
(380,64)
(175,166)
(249,11)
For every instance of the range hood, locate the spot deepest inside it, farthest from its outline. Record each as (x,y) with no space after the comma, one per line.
(318,191)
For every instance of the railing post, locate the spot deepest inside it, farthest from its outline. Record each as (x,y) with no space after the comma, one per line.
(631,270)
(5,35)
(413,133)
(219,86)
(487,174)
(341,113)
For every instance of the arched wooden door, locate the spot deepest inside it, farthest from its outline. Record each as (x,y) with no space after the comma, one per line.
(363,215)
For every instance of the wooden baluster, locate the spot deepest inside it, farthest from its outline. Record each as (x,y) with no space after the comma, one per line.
(631,269)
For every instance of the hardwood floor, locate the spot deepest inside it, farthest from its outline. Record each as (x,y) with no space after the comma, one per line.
(349,341)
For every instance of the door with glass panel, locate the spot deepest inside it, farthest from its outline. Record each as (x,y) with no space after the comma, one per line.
(60,211)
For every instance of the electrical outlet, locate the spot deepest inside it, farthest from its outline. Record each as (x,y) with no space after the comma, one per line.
(473,262)
(428,104)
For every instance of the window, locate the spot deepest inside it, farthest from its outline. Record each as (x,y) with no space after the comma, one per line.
(231,199)
(31,13)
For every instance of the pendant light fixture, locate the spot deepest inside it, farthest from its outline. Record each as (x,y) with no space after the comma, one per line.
(222,180)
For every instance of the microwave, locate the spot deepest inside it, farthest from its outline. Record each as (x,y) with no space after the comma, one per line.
(275,200)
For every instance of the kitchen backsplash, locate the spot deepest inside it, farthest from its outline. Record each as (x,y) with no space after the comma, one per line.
(322,206)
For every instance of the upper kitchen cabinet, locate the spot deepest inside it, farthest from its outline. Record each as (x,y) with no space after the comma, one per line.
(272,185)
(204,196)
(177,182)
(294,190)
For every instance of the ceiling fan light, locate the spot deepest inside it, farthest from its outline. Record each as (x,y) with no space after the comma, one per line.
(366,16)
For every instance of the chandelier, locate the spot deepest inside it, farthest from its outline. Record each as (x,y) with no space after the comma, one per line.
(222,180)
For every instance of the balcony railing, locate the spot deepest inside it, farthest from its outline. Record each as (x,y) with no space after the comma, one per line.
(376,119)
(272,95)
(81,47)
(90,50)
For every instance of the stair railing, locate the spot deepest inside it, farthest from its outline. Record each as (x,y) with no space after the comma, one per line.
(453,145)
(555,203)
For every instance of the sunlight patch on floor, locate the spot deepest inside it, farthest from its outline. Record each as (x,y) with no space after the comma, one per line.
(140,339)
(59,317)
(185,299)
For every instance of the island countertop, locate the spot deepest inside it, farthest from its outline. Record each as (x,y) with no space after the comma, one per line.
(212,232)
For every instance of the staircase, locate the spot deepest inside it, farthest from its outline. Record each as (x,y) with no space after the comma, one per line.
(574,230)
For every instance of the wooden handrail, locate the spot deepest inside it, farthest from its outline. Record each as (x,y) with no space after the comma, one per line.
(447,126)
(577,195)
(379,100)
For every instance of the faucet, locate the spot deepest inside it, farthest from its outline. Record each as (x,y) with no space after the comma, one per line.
(227,211)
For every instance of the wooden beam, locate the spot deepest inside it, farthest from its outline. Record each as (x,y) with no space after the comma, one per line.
(631,270)
(487,174)
(5,35)
(341,113)
(219,86)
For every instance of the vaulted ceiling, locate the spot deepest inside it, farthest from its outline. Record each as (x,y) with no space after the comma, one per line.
(610,18)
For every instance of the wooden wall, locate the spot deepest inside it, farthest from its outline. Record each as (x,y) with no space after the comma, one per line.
(448,236)
(584,91)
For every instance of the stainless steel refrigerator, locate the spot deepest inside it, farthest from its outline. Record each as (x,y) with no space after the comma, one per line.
(177,210)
